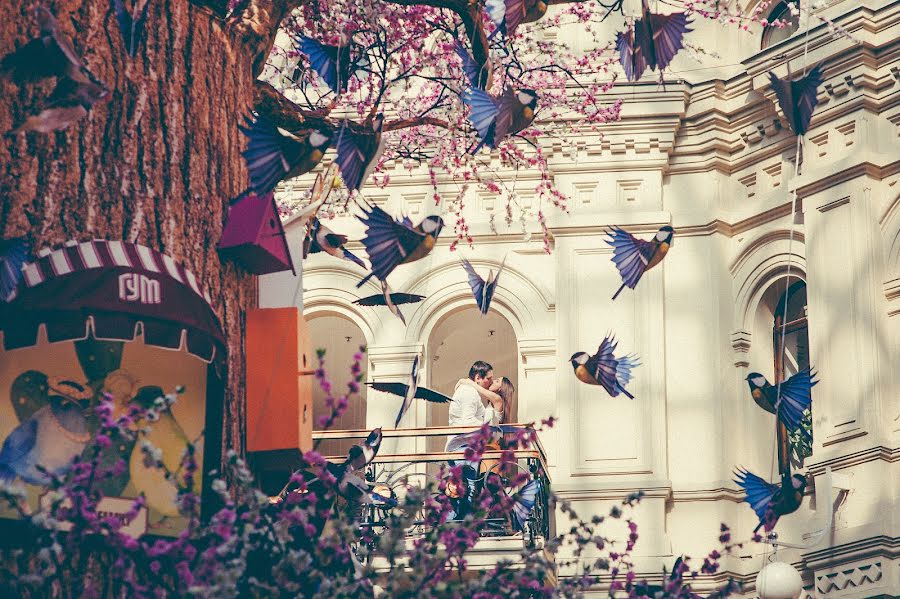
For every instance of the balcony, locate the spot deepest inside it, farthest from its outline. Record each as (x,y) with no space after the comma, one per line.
(407,457)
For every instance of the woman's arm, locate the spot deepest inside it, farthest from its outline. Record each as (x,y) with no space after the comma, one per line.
(485,394)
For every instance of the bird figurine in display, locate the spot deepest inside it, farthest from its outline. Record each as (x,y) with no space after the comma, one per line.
(769,501)
(409,391)
(478,77)
(652,42)
(507,15)
(13,256)
(70,101)
(131,23)
(358,458)
(798,99)
(790,402)
(52,438)
(604,368)
(633,257)
(334,64)
(481,289)
(274,154)
(390,299)
(320,238)
(359,148)
(496,118)
(391,242)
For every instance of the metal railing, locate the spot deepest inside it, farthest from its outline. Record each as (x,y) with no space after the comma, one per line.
(404,459)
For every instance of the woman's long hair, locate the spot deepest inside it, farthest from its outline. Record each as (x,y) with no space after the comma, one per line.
(506,392)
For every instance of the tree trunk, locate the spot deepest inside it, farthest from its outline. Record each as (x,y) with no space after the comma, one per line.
(155,164)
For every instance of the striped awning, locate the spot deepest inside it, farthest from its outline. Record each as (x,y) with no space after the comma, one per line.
(112,290)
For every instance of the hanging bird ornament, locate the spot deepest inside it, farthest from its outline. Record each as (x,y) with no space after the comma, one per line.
(633,257)
(793,399)
(523,500)
(391,242)
(769,501)
(481,289)
(359,148)
(13,256)
(131,23)
(357,459)
(604,368)
(409,391)
(496,118)
(334,64)
(798,99)
(507,15)
(478,77)
(274,154)
(320,238)
(390,299)
(652,42)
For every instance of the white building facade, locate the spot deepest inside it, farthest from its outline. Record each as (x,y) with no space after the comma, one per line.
(711,155)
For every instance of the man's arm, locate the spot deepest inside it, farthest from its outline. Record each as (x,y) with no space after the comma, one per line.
(464,407)
(485,394)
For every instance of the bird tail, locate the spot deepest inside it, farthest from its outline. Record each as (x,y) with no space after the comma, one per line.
(625,391)
(365,279)
(618,292)
(758,526)
(263,154)
(354,258)
(6,473)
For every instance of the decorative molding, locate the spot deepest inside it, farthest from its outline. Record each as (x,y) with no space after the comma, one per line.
(832,205)
(740,343)
(848,580)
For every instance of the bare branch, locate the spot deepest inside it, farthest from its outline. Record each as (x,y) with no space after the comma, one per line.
(416,122)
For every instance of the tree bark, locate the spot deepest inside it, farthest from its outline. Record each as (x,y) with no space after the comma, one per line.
(155,164)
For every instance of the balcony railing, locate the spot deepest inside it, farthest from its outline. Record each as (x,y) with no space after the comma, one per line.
(405,459)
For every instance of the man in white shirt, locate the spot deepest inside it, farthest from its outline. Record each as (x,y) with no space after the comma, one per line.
(467,408)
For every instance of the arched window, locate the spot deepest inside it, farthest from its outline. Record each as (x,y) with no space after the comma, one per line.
(790,339)
(781,13)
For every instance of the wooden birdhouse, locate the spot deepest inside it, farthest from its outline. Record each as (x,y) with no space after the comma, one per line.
(253,236)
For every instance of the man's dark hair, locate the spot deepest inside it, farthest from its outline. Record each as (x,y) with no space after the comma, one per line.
(479,368)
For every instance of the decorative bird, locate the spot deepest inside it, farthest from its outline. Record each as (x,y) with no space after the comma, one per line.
(69,101)
(509,14)
(794,399)
(49,55)
(391,242)
(333,64)
(604,368)
(274,154)
(409,391)
(478,77)
(633,257)
(798,99)
(131,24)
(358,458)
(13,256)
(320,238)
(52,438)
(523,500)
(769,501)
(496,118)
(358,151)
(483,290)
(391,300)
(653,41)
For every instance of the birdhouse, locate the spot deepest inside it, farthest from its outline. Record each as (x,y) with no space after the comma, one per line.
(253,236)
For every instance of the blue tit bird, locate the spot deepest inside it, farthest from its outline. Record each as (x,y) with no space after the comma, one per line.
(483,290)
(794,398)
(334,64)
(51,54)
(131,23)
(798,99)
(274,154)
(391,242)
(653,42)
(523,500)
(496,118)
(604,368)
(359,148)
(769,501)
(52,438)
(478,77)
(320,238)
(13,256)
(633,257)
(507,15)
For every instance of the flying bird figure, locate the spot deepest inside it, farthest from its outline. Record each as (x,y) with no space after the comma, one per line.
(798,99)
(496,118)
(51,54)
(358,151)
(13,256)
(652,42)
(131,24)
(391,242)
(604,368)
(478,77)
(523,500)
(409,391)
(274,154)
(69,102)
(391,300)
(507,15)
(334,64)
(794,398)
(481,289)
(320,238)
(358,458)
(769,501)
(633,257)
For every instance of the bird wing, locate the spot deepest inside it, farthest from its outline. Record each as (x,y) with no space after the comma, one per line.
(469,66)
(431,395)
(348,255)
(323,59)
(355,151)
(603,366)
(784,95)
(805,95)
(477,285)
(515,12)
(668,36)
(19,442)
(624,367)
(398,298)
(387,241)
(483,111)
(52,119)
(267,153)
(13,256)
(509,107)
(356,458)
(759,492)
(523,503)
(125,23)
(630,55)
(389,387)
(796,397)
(491,285)
(630,255)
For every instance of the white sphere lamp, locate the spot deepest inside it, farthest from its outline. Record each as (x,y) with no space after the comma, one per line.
(778,580)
